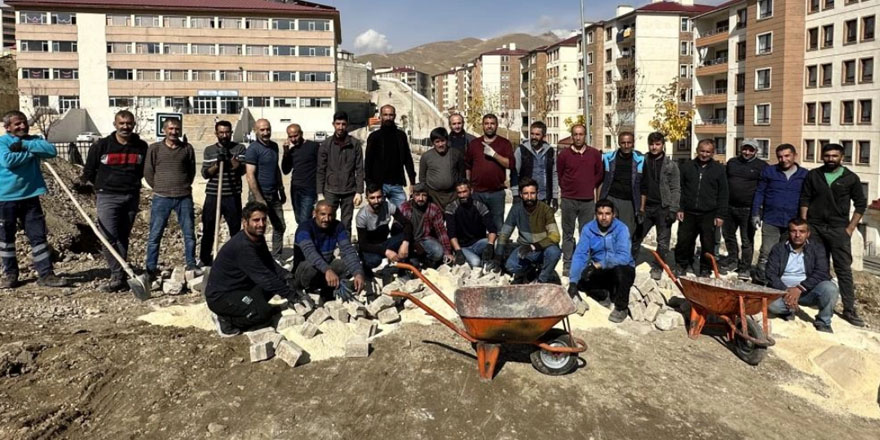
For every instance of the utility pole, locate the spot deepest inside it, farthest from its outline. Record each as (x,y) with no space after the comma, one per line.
(412,103)
(584,77)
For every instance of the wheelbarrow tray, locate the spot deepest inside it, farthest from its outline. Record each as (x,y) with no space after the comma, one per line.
(721,297)
(518,314)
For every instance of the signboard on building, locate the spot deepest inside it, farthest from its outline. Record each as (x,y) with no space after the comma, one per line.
(217,93)
(160,121)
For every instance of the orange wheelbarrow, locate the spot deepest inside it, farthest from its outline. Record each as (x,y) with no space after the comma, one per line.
(511,314)
(733,303)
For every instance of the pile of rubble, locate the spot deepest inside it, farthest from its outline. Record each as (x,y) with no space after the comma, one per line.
(649,303)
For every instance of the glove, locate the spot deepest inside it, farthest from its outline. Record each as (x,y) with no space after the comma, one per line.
(554,204)
(305,299)
(282,196)
(671,216)
(524,250)
(573,290)
(82,186)
(640,217)
(459,257)
(488,151)
(488,253)
(16,147)
(223,155)
(756,222)
(343,292)
(588,271)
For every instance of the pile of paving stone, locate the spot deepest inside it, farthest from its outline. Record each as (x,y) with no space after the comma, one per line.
(650,303)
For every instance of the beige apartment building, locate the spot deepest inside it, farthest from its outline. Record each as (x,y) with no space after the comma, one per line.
(419,81)
(562,91)
(452,89)
(534,103)
(277,60)
(7,29)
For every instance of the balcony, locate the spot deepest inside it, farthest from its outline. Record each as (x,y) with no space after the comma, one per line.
(626,61)
(712,37)
(627,104)
(712,67)
(712,96)
(711,126)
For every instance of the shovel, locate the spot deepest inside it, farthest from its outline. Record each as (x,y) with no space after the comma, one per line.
(217,212)
(141,290)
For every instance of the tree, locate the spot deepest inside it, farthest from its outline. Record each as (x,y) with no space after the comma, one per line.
(8,83)
(669,118)
(474,114)
(628,92)
(572,121)
(40,114)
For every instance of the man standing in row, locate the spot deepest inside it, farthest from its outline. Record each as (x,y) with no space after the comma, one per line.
(827,195)
(340,173)
(661,195)
(440,168)
(429,229)
(264,181)
(743,173)
(458,138)
(538,238)
(537,159)
(300,160)
(231,155)
(388,156)
(621,184)
(170,170)
(471,229)
(115,166)
(580,174)
(488,159)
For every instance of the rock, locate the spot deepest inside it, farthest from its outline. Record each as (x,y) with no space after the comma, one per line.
(392,286)
(288,321)
(289,352)
(179,275)
(379,304)
(637,311)
(357,347)
(668,320)
(366,327)
(444,270)
(388,316)
(301,309)
(215,428)
(340,315)
(196,284)
(309,330)
(262,351)
(413,286)
(172,287)
(651,311)
(355,310)
(318,316)
(582,307)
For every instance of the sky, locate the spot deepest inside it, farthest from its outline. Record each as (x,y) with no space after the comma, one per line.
(387,26)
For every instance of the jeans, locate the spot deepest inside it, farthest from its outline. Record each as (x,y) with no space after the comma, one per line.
(303,200)
(770,235)
(739,218)
(582,211)
(474,253)
(655,217)
(230,209)
(372,260)
(116,216)
(838,247)
(495,202)
(244,309)
(617,281)
(823,296)
(693,225)
(395,194)
(159,214)
(344,202)
(276,218)
(547,258)
(433,250)
(30,213)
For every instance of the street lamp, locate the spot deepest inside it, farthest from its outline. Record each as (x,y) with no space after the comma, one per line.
(584,72)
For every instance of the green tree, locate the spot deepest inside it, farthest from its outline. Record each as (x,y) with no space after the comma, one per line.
(669,118)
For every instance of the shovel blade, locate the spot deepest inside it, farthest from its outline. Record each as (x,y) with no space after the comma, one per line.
(140,289)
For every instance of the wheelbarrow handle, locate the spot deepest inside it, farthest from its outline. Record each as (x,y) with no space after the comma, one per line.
(580,347)
(425,280)
(712,260)
(433,313)
(668,271)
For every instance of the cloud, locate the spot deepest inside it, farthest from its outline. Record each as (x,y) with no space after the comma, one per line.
(371,41)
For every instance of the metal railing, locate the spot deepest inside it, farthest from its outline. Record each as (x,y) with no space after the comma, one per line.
(709,92)
(716,121)
(714,61)
(715,31)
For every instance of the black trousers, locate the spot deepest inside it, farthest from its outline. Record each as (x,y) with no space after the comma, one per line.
(308,277)
(617,281)
(839,248)
(688,230)
(655,217)
(739,218)
(245,309)
(230,209)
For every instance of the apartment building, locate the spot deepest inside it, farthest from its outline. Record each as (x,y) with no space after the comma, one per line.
(496,78)
(595,83)
(444,90)
(420,81)
(214,58)
(562,91)
(351,74)
(7,28)
(534,103)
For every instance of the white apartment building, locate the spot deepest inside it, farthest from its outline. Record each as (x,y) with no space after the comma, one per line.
(562,80)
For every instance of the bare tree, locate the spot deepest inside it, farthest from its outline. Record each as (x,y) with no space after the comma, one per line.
(626,93)
(40,114)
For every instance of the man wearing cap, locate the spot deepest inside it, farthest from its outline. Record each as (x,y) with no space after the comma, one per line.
(743,174)
(825,201)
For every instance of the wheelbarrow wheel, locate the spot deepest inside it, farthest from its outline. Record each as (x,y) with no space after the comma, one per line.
(554,364)
(747,351)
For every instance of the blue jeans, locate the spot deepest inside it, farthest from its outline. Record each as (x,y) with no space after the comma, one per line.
(303,200)
(395,194)
(433,249)
(371,260)
(823,296)
(159,213)
(474,253)
(547,258)
(495,202)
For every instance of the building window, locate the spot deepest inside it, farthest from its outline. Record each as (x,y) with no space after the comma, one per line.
(284,50)
(849,72)
(682,70)
(742,17)
(589,78)
(149,75)
(765,44)
(683,48)
(810,150)
(720,145)
(175,75)
(174,48)
(867,70)
(259,76)
(762,114)
(825,113)
(740,82)
(607,76)
(284,102)
(259,101)
(810,116)
(28,17)
(204,49)
(66,103)
(865,111)
(740,115)
(324,51)
(813,38)
(204,75)
(822,144)
(315,76)
(147,48)
(315,102)
(829,4)
(148,101)
(813,6)
(762,79)
(685,24)
(40,101)
(65,18)
(253,50)
(256,23)
(827,36)
(763,148)
(847,112)
(118,20)
(66,74)
(201,22)
(230,23)
(283,76)
(847,150)
(589,58)
(765,9)
(146,21)
(314,25)
(827,71)
(740,50)
(120,74)
(64,46)
(608,98)
(231,75)
(34,46)
(864,152)
(850,31)
(590,37)
(812,76)
(868,28)
(120,47)
(230,49)
(121,101)
(608,56)
(284,24)
(175,21)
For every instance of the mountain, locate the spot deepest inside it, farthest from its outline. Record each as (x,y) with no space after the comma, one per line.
(440,56)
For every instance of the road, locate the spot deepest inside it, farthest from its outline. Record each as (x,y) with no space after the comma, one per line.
(425,115)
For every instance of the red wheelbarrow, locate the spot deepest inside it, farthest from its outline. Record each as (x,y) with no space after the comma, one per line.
(511,314)
(733,303)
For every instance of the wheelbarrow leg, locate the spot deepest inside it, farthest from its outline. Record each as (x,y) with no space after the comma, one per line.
(487,357)
(698,320)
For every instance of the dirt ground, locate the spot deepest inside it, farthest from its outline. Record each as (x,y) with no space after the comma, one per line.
(87,368)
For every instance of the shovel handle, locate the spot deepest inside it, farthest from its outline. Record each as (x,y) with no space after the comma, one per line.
(217,212)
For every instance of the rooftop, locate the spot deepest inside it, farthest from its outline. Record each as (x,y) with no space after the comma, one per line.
(675,7)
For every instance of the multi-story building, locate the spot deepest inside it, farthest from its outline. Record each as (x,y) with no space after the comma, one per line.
(420,81)
(533,83)
(276,59)
(496,79)
(595,83)
(562,90)
(7,33)
(352,74)
(444,88)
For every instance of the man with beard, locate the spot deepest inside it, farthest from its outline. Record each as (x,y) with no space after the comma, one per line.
(245,277)
(602,262)
(170,170)
(622,182)
(660,194)
(537,159)
(538,240)
(115,166)
(470,227)
(458,139)
(775,203)
(264,181)
(703,207)
(21,185)
(300,160)
(743,173)
(827,195)
(316,240)
(440,168)
(488,158)
(340,174)
(388,155)
(429,231)
(231,154)
(383,232)
(580,174)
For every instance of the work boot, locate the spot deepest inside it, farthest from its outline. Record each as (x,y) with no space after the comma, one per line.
(116,284)
(822,327)
(9,282)
(727,264)
(196,270)
(656,273)
(618,315)
(743,272)
(53,280)
(519,279)
(224,327)
(705,273)
(852,317)
(680,271)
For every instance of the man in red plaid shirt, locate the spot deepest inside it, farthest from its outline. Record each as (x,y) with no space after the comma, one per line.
(429,230)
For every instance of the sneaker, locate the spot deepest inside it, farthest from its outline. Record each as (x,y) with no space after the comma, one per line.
(224,327)
(606,303)
(743,275)
(822,327)
(705,273)
(9,282)
(196,270)
(852,317)
(727,264)
(53,280)
(116,284)
(656,273)
(618,315)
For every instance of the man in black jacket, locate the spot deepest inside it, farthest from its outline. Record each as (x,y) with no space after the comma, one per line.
(660,199)
(458,138)
(115,165)
(800,268)
(340,174)
(743,173)
(300,160)
(704,197)
(231,154)
(388,156)
(825,204)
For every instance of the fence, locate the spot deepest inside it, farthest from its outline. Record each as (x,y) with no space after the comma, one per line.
(64,151)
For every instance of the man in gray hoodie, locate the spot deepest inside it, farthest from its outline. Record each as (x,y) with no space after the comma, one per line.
(537,159)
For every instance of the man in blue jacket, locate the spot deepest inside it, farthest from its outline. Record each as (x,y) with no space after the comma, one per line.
(21,185)
(622,183)
(800,268)
(776,202)
(603,261)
